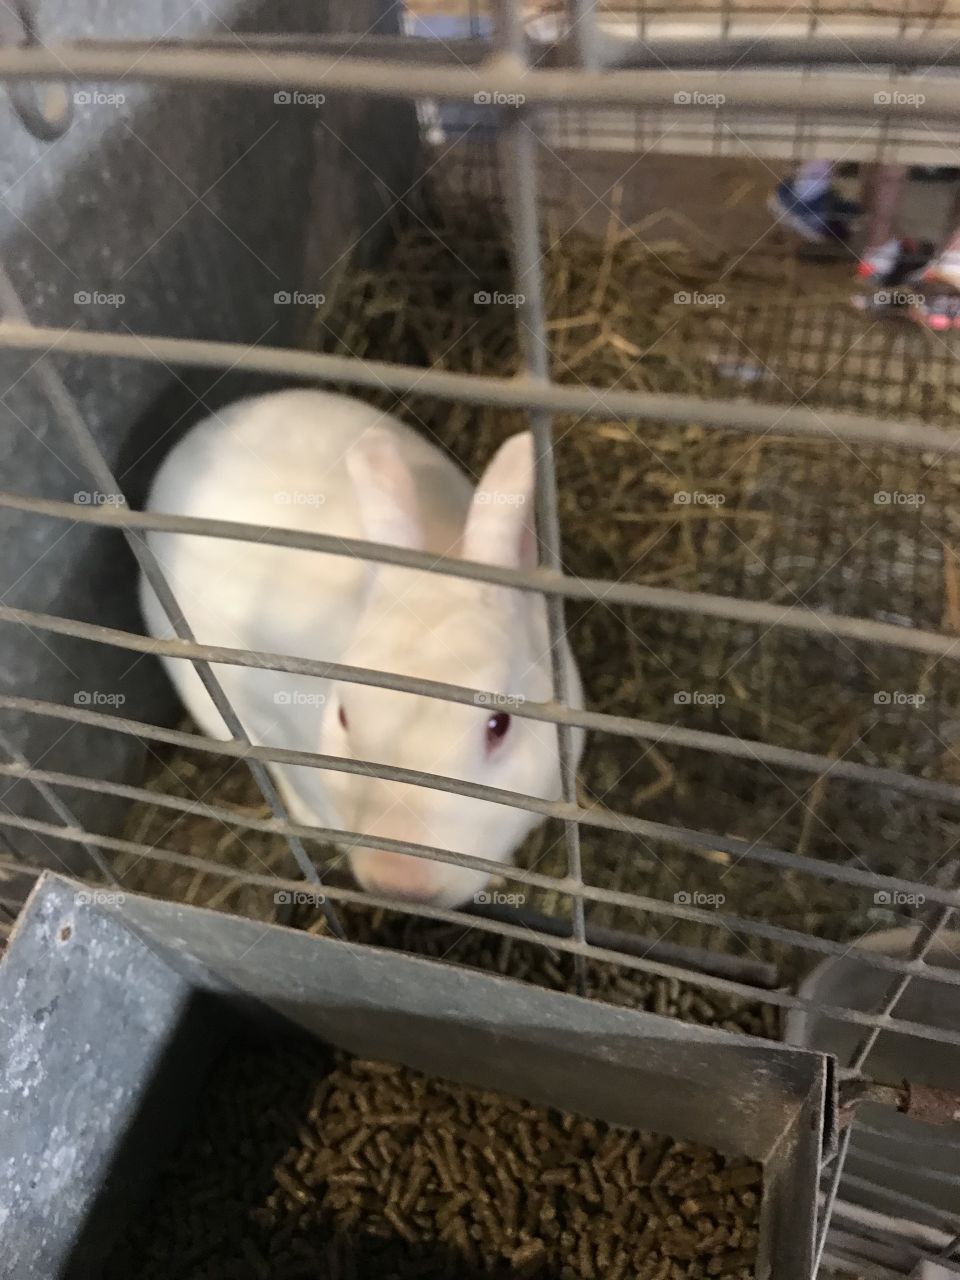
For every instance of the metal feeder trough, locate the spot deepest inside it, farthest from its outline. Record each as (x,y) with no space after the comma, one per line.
(114,1008)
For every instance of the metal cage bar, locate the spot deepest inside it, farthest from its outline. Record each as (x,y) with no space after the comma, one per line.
(840,93)
(518,162)
(720,920)
(927,935)
(610,820)
(60,400)
(44,788)
(791,616)
(523,933)
(475,388)
(555,712)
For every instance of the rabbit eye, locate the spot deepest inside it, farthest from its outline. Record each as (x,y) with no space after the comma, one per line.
(342,717)
(497,727)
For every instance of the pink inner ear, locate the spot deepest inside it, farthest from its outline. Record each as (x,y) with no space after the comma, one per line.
(385,491)
(500,526)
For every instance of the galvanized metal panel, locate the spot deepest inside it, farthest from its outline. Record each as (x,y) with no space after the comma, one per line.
(195,209)
(110,984)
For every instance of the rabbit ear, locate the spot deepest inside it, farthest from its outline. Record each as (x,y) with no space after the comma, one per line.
(500,526)
(385,491)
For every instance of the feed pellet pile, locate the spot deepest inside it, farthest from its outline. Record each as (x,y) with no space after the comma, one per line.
(305,1167)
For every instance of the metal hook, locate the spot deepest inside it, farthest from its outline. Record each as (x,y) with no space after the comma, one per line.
(45,109)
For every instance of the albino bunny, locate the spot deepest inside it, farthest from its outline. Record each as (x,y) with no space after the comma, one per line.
(326,463)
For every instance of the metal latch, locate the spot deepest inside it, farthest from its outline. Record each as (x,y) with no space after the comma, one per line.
(919,1101)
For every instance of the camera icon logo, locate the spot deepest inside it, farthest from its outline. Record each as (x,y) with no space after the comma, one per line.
(882,698)
(682,698)
(681,498)
(282,97)
(282,299)
(483,99)
(82,298)
(682,299)
(882,898)
(282,698)
(682,98)
(83,97)
(682,898)
(282,897)
(482,299)
(883,98)
(482,898)
(882,498)
(81,698)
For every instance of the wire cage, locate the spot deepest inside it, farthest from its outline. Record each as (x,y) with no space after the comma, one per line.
(763,834)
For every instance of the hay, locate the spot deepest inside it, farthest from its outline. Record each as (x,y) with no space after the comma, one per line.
(304,1165)
(761,517)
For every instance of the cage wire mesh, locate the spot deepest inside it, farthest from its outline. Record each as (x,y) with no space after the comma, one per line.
(753,506)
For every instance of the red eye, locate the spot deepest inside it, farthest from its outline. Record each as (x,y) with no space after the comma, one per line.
(497,727)
(342,717)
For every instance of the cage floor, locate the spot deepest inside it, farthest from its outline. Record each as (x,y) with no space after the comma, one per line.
(860,531)
(301,1166)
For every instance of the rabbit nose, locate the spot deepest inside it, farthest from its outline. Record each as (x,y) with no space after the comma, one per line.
(397,875)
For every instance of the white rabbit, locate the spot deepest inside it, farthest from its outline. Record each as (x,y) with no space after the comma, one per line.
(316,461)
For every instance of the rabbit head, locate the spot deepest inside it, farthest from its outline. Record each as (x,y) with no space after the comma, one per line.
(458,631)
